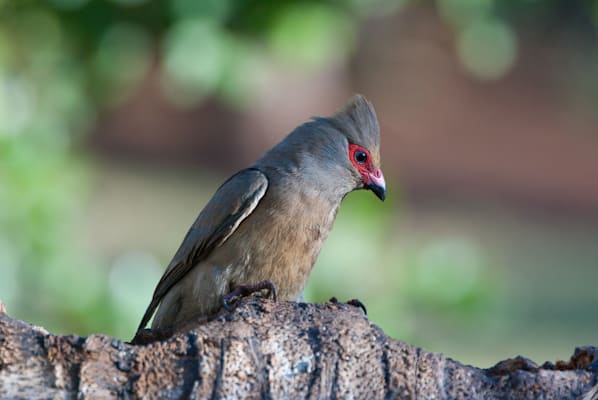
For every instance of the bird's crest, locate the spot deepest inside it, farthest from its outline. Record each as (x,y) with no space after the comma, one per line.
(358,122)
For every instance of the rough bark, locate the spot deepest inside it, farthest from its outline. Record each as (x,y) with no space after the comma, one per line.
(271,350)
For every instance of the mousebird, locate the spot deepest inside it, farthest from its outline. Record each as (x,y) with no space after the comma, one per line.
(266,224)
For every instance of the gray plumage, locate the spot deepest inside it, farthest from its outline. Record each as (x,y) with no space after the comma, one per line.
(268,222)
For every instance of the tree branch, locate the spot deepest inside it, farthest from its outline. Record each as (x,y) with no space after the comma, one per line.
(271,350)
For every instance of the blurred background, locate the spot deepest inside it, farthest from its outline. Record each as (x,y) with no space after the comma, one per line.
(119,119)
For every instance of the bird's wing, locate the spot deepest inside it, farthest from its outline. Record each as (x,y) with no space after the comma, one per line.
(234,201)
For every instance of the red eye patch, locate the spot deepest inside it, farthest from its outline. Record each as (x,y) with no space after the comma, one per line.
(359,157)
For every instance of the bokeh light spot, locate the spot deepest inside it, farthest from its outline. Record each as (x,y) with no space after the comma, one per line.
(194,60)
(487,48)
(311,35)
(17,104)
(122,59)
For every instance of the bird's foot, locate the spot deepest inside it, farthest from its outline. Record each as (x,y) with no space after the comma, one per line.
(353,302)
(231,299)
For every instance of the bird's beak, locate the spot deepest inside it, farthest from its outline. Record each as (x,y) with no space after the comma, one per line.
(377,184)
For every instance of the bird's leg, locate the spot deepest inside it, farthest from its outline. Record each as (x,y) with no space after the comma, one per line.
(352,302)
(240,291)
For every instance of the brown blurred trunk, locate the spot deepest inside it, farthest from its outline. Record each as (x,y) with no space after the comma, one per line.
(270,350)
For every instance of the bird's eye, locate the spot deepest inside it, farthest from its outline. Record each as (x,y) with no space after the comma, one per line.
(361,156)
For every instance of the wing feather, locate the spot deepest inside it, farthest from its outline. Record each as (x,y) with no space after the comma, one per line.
(232,203)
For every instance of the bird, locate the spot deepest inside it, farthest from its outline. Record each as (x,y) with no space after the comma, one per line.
(265,226)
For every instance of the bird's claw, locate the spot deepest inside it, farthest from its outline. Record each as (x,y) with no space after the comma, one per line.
(231,299)
(359,304)
(353,302)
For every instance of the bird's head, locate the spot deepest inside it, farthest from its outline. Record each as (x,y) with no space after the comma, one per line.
(369,171)
(358,123)
(339,153)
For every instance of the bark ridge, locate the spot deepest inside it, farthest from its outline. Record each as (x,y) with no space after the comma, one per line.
(268,350)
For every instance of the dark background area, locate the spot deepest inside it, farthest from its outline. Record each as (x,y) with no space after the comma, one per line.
(118,120)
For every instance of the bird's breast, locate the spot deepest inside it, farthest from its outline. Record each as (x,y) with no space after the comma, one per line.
(280,241)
